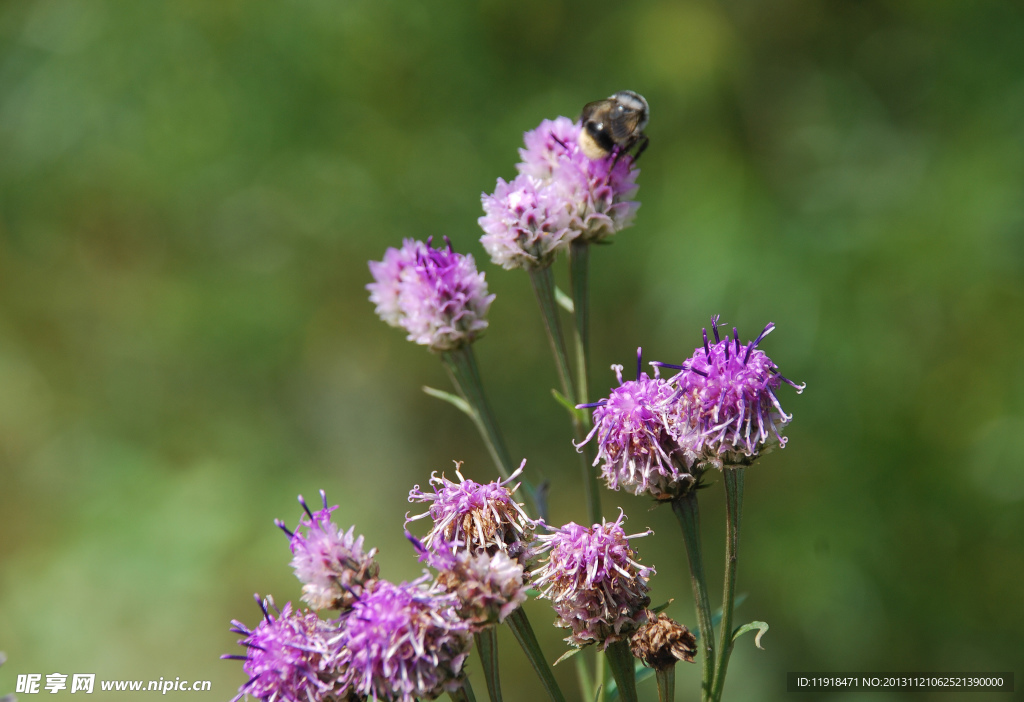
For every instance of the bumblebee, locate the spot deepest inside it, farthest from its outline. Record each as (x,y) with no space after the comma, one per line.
(614,124)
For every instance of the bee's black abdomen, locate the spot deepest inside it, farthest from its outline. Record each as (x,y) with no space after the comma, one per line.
(600,135)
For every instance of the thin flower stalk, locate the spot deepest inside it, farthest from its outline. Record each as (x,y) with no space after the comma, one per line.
(688,514)
(620,660)
(464,373)
(544,287)
(579,274)
(543,281)
(666,678)
(487,647)
(733,478)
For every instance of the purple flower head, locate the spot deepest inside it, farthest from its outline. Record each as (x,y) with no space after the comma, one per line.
(547,146)
(594,582)
(291,656)
(436,295)
(403,642)
(636,448)
(482,517)
(728,412)
(331,564)
(526,224)
(488,587)
(597,193)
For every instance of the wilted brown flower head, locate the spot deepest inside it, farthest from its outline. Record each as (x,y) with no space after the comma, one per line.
(662,642)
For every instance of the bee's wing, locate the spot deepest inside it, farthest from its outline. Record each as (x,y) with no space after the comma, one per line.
(590,108)
(624,124)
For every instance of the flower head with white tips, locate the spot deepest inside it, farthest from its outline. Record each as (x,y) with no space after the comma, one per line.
(525,224)
(436,295)
(635,445)
(728,412)
(488,587)
(403,642)
(481,517)
(596,585)
(331,564)
(596,193)
(290,656)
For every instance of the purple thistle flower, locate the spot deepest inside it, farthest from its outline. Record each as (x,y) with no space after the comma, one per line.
(547,146)
(403,642)
(436,295)
(331,564)
(594,582)
(597,193)
(488,587)
(728,412)
(290,656)
(635,444)
(525,224)
(482,517)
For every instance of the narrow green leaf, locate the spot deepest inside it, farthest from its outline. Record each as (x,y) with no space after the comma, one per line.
(760,626)
(564,301)
(568,404)
(662,607)
(567,655)
(448,397)
(523,631)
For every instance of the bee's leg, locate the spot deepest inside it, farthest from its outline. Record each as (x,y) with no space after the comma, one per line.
(644,141)
(560,142)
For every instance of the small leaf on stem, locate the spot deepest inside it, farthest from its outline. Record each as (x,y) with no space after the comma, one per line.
(448,397)
(762,628)
(564,301)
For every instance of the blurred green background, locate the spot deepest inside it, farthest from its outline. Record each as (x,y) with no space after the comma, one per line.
(189,193)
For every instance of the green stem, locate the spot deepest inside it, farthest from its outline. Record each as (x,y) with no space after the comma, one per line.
(688,514)
(464,693)
(465,376)
(579,274)
(583,676)
(543,280)
(620,660)
(600,678)
(520,625)
(462,369)
(666,683)
(487,647)
(733,478)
